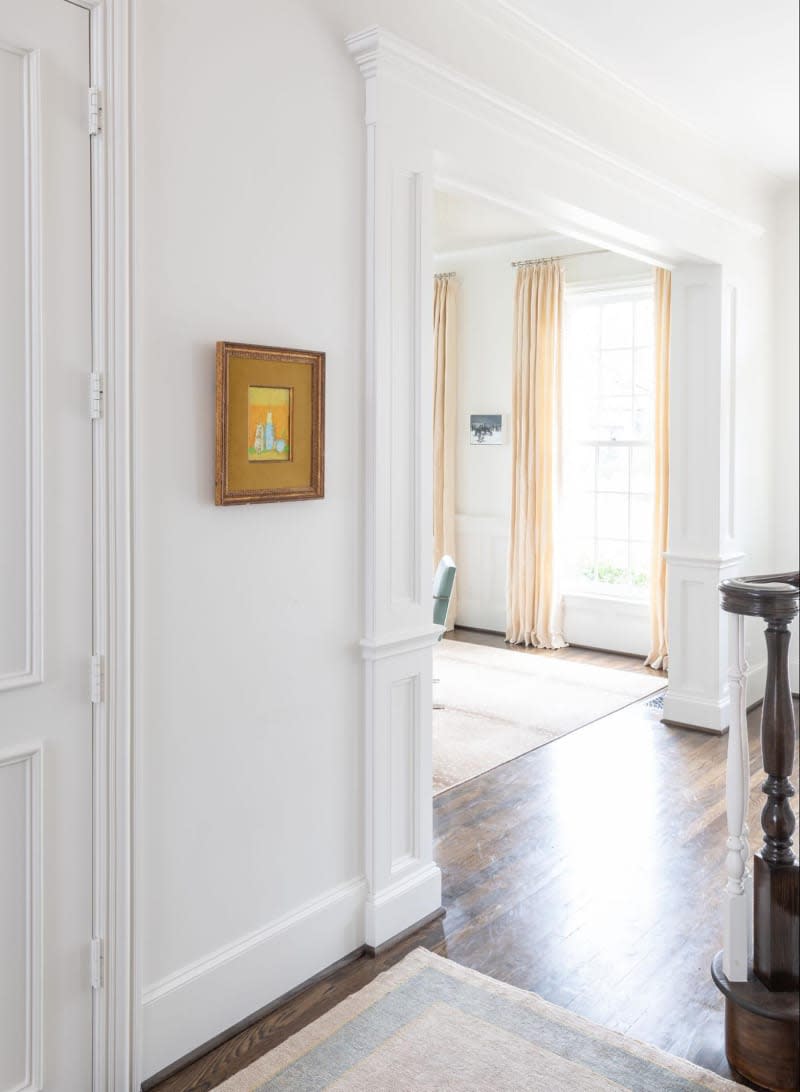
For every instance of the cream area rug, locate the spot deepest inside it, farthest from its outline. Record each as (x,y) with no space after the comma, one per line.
(500,703)
(431,1025)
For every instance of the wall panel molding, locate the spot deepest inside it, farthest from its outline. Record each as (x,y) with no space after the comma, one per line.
(21,878)
(31,409)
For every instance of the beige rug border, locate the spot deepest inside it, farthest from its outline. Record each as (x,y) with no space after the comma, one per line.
(547,742)
(551,658)
(662,684)
(305,1040)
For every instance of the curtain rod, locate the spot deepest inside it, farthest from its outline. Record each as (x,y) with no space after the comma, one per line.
(444,276)
(559,257)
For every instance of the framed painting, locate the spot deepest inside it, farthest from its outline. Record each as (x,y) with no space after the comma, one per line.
(270,424)
(486,428)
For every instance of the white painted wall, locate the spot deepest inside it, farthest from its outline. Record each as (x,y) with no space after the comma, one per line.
(483,474)
(249,209)
(249,188)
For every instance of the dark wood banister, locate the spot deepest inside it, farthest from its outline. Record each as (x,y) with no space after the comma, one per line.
(758,1045)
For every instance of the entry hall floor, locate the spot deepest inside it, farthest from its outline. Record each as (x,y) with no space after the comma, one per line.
(589,871)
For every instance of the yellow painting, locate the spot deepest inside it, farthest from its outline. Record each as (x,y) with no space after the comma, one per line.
(269,412)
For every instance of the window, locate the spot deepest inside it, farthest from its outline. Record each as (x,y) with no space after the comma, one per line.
(608,441)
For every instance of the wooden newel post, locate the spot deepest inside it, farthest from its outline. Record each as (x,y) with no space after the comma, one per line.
(762,1002)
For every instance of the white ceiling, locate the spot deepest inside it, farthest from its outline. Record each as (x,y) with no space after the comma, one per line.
(461,222)
(727,67)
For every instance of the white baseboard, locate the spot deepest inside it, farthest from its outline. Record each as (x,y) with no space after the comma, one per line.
(692,711)
(709,715)
(186,1009)
(394,908)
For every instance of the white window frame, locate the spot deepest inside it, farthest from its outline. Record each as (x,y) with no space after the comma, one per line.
(608,292)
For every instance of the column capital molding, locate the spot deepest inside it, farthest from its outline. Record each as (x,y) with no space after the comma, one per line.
(397,644)
(704,561)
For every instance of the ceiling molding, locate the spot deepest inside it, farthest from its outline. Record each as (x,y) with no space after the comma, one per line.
(375,47)
(512,22)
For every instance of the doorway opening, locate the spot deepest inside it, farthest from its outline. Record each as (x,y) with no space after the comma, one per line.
(494,700)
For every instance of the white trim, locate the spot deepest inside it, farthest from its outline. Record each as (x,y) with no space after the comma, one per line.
(480,250)
(115,1050)
(568,230)
(422,69)
(695,711)
(713,716)
(705,561)
(197,968)
(397,643)
(31,757)
(407,900)
(32,673)
(195,1003)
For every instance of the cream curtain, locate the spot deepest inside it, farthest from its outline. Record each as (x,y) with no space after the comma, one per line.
(533,603)
(444,426)
(658,656)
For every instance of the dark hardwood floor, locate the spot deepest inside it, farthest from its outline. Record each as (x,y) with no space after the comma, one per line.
(589,871)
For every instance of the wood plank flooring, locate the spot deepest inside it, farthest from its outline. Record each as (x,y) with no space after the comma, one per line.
(589,871)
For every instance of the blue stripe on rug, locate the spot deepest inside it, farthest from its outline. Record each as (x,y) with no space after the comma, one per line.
(366,1032)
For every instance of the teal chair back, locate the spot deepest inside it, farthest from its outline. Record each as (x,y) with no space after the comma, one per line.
(443,581)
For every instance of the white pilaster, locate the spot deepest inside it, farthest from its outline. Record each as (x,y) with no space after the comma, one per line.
(404,884)
(702,520)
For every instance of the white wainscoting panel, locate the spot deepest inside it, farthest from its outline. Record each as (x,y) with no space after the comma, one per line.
(405,884)
(20,385)
(404,733)
(617,625)
(482,560)
(20,921)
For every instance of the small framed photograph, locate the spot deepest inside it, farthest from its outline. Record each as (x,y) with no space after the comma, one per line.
(270,424)
(486,428)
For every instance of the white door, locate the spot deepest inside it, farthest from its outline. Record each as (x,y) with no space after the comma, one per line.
(45,548)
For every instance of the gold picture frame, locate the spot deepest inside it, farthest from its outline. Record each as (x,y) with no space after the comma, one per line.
(270,408)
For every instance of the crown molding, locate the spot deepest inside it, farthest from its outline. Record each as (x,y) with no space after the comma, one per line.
(378,50)
(514,23)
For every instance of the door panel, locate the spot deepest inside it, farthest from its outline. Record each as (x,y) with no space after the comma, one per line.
(45,548)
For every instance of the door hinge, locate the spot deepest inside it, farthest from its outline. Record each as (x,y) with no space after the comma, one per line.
(96,962)
(95,116)
(95,396)
(97,679)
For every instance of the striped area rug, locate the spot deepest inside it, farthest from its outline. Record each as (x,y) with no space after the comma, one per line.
(429,1024)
